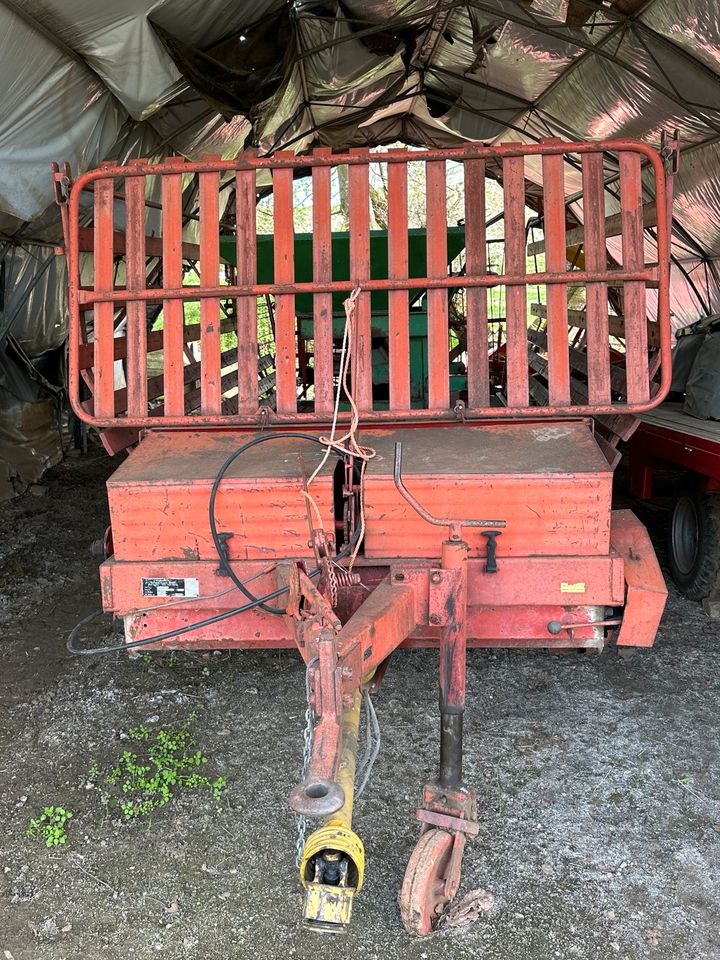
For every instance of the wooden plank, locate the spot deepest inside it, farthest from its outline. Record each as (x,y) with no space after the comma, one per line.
(579,361)
(478,376)
(155,340)
(398,311)
(616,325)
(613,228)
(153,245)
(193,371)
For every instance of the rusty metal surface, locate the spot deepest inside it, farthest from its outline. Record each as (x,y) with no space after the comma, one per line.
(646,590)
(130,407)
(550,483)
(158,498)
(505,449)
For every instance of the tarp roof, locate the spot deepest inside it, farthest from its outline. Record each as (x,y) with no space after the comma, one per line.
(116,79)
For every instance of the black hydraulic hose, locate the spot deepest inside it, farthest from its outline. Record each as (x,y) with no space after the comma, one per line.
(220,545)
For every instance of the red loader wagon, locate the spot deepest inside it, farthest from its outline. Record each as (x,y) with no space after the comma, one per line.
(347,525)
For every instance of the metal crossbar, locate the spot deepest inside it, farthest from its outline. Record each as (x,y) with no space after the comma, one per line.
(196,383)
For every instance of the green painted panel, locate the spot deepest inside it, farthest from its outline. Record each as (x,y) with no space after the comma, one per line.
(417,254)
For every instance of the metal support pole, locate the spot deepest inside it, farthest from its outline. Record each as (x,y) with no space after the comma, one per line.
(452,668)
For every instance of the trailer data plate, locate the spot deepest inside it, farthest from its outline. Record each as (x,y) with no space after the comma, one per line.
(170,587)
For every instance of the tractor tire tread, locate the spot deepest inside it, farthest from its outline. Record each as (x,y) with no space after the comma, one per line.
(704,577)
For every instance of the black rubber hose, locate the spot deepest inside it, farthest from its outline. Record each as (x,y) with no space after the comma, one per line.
(219,545)
(178,631)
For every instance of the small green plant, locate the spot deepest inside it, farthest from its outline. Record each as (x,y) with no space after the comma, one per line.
(51,825)
(162,763)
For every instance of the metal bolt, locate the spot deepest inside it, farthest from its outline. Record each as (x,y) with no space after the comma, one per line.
(399,576)
(435,577)
(434,618)
(347,672)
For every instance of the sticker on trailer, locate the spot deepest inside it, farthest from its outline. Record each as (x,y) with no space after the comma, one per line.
(572,587)
(170,587)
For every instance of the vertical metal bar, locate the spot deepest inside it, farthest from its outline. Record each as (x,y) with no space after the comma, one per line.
(478,376)
(173,312)
(516,349)
(359,203)
(598,338)
(634,307)
(555,260)
(453,658)
(398,308)
(322,302)
(246,307)
(103,266)
(210,386)
(437,300)
(136,314)
(284,252)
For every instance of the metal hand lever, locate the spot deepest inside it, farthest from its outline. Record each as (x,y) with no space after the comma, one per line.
(454,525)
(491,550)
(222,570)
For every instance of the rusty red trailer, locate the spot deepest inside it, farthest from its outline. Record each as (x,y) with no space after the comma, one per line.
(350,529)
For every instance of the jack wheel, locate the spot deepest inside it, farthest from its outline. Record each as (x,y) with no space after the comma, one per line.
(427,889)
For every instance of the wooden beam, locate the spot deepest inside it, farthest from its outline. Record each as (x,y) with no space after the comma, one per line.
(579,361)
(191,333)
(616,325)
(613,228)
(153,245)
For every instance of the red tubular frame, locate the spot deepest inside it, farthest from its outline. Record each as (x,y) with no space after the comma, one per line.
(635,274)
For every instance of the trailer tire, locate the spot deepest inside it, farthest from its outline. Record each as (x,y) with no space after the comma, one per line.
(694,543)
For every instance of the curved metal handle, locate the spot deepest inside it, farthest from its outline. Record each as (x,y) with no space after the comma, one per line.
(454,525)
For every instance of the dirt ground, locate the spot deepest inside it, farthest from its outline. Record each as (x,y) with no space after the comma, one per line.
(597,776)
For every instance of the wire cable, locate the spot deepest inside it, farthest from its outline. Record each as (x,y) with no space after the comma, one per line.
(220,547)
(198,625)
(373,744)
(169,634)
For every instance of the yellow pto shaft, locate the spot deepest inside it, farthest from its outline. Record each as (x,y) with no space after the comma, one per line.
(333,860)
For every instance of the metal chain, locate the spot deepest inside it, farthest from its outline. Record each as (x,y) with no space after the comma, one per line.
(307,749)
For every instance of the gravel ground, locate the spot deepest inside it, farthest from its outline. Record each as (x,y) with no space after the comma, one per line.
(597,777)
